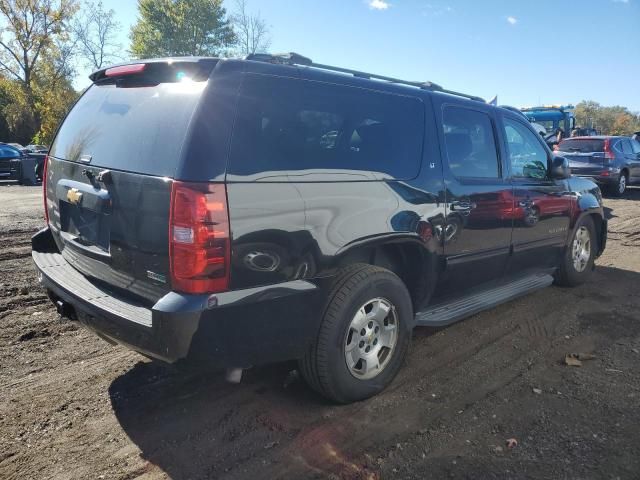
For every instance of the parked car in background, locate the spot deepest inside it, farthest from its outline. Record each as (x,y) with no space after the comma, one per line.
(19,147)
(240,212)
(37,148)
(612,162)
(10,162)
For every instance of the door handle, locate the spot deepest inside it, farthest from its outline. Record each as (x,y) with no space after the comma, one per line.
(462,206)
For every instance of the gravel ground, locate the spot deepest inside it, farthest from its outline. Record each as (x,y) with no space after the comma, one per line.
(74,407)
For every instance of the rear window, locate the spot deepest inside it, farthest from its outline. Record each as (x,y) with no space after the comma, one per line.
(580,145)
(139,129)
(287,125)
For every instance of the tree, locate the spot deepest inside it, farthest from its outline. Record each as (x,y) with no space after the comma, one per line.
(614,120)
(31,30)
(252,31)
(181,27)
(95,30)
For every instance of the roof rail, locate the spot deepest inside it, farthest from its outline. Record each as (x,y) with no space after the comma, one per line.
(296,59)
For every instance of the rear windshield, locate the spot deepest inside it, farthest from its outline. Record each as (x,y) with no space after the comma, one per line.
(298,126)
(579,145)
(139,129)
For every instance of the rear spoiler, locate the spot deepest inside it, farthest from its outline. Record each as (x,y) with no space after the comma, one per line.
(200,66)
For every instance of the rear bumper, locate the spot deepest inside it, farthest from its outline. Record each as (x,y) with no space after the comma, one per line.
(232,329)
(601,180)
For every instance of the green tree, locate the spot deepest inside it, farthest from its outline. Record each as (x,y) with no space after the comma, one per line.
(181,27)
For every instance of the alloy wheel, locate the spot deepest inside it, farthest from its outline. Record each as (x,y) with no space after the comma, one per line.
(622,184)
(581,249)
(371,338)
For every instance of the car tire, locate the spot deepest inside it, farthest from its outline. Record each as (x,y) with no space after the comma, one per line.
(364,335)
(619,189)
(578,260)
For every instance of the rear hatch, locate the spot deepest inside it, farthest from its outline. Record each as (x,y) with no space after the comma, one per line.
(587,156)
(110,171)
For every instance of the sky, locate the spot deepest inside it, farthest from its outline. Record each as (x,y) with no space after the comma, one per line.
(526,52)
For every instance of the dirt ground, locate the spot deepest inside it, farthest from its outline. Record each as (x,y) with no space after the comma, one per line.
(74,407)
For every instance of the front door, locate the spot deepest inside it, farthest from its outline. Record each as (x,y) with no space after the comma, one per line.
(479,201)
(542,206)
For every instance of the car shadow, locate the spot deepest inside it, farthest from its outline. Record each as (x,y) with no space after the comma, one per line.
(271,425)
(608,213)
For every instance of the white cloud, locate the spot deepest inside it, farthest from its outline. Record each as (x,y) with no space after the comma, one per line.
(512,20)
(378,5)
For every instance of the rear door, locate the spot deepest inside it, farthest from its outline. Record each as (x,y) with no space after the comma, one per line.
(631,158)
(479,199)
(542,209)
(108,186)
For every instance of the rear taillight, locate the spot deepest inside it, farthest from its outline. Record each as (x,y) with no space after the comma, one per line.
(608,152)
(199,239)
(45,169)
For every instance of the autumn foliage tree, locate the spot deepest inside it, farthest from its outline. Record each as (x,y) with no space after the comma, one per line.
(34,64)
(614,120)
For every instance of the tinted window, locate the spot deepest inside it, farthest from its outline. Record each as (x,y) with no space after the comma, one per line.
(470,143)
(136,129)
(527,156)
(298,125)
(581,145)
(635,145)
(625,146)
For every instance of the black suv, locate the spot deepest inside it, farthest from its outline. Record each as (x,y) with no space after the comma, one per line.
(239,212)
(613,162)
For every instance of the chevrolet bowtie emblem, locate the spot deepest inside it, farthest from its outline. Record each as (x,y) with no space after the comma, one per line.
(74,196)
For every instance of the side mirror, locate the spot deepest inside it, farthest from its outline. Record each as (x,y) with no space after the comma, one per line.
(560,168)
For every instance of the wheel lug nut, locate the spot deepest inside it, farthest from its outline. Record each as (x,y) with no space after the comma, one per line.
(377,329)
(375,341)
(370,324)
(361,344)
(363,332)
(367,349)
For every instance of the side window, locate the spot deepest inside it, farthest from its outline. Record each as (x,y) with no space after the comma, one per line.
(527,156)
(293,125)
(625,146)
(635,145)
(470,143)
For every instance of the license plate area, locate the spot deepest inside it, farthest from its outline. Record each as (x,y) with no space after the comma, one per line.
(85,227)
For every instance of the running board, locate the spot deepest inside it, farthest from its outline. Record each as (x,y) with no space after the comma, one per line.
(446,313)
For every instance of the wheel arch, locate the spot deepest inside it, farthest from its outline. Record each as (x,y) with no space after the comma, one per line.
(406,255)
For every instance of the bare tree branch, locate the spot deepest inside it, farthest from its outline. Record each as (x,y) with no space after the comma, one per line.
(95,31)
(251,30)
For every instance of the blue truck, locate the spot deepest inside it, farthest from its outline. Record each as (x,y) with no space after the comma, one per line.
(557,120)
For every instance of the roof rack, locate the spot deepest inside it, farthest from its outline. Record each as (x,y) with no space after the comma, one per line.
(299,60)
